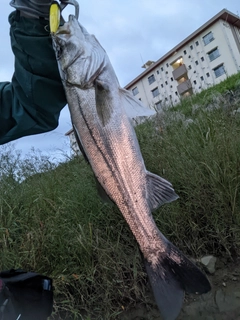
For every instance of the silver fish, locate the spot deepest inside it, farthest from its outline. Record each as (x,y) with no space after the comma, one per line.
(97,105)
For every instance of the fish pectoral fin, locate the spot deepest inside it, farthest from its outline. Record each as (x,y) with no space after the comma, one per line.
(160,191)
(104,103)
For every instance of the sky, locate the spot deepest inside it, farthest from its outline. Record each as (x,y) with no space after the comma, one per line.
(131,31)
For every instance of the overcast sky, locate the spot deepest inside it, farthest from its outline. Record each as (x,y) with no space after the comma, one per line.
(132,32)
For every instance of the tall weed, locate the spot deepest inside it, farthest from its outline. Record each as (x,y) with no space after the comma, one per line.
(52,220)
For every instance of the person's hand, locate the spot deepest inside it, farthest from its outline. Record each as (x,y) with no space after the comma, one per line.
(33,8)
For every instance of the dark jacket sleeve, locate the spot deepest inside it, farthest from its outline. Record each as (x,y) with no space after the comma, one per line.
(32,102)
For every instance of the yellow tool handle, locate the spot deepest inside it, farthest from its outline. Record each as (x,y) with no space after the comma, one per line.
(54,16)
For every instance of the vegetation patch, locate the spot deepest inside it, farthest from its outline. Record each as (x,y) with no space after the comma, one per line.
(52,220)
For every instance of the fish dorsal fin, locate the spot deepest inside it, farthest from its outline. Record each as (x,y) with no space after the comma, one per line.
(78,139)
(101,192)
(160,191)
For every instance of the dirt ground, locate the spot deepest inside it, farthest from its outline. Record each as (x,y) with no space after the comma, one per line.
(222,303)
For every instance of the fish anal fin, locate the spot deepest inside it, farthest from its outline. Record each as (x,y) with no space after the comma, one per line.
(160,191)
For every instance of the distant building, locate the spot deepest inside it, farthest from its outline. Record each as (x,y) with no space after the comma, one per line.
(73,142)
(204,58)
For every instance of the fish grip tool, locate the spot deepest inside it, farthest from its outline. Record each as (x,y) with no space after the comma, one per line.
(55,13)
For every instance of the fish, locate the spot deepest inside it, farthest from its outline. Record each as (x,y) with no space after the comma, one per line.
(97,105)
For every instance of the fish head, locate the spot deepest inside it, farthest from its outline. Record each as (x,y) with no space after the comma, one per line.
(79,55)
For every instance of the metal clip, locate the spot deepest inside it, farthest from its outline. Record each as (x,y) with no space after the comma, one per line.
(72,2)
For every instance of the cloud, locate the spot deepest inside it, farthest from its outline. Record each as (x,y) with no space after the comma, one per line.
(131,31)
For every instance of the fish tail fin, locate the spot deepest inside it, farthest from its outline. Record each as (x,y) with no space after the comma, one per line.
(172,276)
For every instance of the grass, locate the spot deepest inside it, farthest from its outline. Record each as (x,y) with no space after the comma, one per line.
(53,221)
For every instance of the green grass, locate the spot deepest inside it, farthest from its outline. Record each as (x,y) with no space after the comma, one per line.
(220,94)
(54,222)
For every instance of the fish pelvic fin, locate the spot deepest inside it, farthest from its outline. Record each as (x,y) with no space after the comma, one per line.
(160,191)
(134,107)
(172,276)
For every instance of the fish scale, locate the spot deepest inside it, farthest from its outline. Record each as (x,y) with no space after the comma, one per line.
(97,106)
(124,163)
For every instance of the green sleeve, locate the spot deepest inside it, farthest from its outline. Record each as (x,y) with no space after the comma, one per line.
(32,102)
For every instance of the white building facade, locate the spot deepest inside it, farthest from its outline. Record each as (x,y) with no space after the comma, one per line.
(203,59)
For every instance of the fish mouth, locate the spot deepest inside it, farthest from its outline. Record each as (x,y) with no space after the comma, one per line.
(71,17)
(65,28)
(60,39)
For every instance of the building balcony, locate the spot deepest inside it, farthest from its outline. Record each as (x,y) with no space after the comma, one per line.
(179,72)
(184,87)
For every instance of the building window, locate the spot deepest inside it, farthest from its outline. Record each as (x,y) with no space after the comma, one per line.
(166,82)
(167,64)
(219,71)
(202,78)
(171,78)
(176,93)
(191,47)
(162,85)
(140,99)
(213,54)
(135,91)
(185,51)
(157,71)
(166,99)
(195,82)
(207,74)
(158,105)
(162,68)
(196,62)
(166,72)
(197,43)
(202,58)
(189,67)
(151,79)
(155,92)
(208,38)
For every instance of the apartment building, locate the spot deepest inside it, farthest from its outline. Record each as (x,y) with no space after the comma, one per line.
(204,58)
